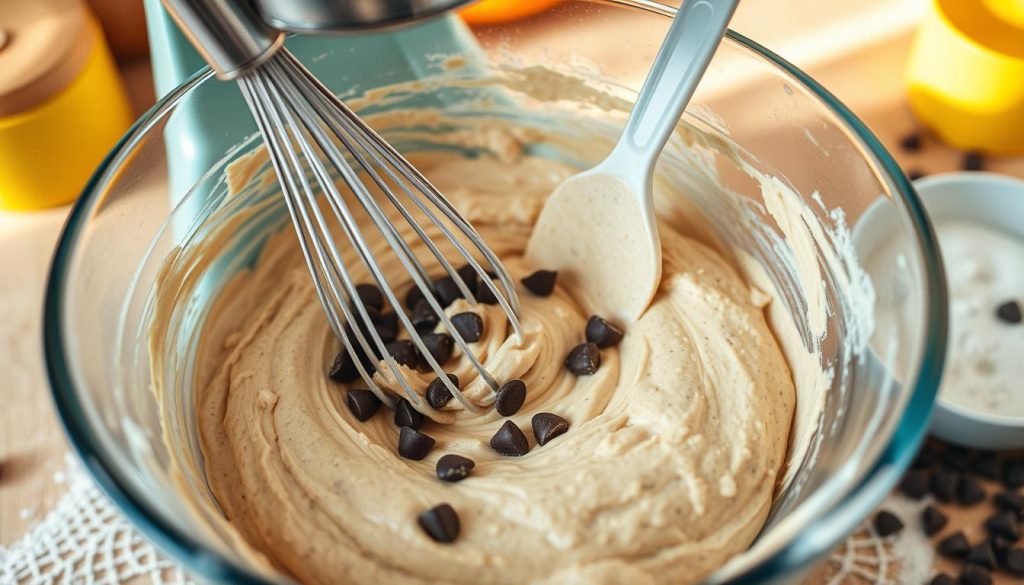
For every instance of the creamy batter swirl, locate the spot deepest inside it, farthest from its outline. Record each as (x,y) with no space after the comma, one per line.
(667,470)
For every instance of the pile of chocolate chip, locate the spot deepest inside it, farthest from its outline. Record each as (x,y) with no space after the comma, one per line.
(957,476)
(441,522)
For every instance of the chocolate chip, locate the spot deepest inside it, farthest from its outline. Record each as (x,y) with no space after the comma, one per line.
(584,359)
(954,546)
(981,554)
(446,291)
(423,317)
(407,416)
(468,276)
(371,296)
(469,325)
(454,467)
(1014,563)
(413,444)
(969,491)
(437,393)
(414,296)
(1009,312)
(973,161)
(988,466)
(485,295)
(975,575)
(440,346)
(886,523)
(943,485)
(363,404)
(933,520)
(915,174)
(911,142)
(344,368)
(510,397)
(1013,501)
(603,333)
(510,441)
(1003,523)
(926,457)
(547,426)
(956,458)
(404,352)
(541,283)
(1000,546)
(942,579)
(915,484)
(1013,477)
(441,523)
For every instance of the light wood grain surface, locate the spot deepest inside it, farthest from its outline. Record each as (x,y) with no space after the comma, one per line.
(865,73)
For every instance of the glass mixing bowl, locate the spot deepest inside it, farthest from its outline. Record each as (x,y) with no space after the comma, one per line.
(754,113)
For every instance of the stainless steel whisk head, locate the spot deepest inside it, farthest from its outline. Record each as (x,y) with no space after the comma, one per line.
(308,131)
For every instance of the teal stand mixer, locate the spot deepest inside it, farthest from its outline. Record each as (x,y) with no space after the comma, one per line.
(396,36)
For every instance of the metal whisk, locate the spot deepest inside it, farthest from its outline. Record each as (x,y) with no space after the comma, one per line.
(306,128)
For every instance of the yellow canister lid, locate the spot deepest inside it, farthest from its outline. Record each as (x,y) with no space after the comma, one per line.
(965,75)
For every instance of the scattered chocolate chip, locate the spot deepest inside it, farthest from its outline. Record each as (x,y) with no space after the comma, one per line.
(510,397)
(468,276)
(584,359)
(446,290)
(975,575)
(1003,523)
(541,283)
(981,554)
(915,174)
(1013,501)
(886,523)
(404,352)
(987,465)
(547,426)
(1000,546)
(414,296)
(371,296)
(956,458)
(1014,563)
(942,579)
(437,393)
(933,520)
(440,346)
(441,523)
(911,142)
(469,325)
(603,333)
(363,404)
(344,368)
(1009,312)
(1013,477)
(407,416)
(943,485)
(454,467)
(413,444)
(973,161)
(954,546)
(485,295)
(387,320)
(915,484)
(423,317)
(510,441)
(969,491)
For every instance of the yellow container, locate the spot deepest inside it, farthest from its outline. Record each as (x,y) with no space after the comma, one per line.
(965,75)
(62,104)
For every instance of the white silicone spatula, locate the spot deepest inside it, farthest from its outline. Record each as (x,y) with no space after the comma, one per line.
(598,228)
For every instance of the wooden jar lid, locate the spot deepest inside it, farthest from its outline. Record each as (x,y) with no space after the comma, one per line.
(44,44)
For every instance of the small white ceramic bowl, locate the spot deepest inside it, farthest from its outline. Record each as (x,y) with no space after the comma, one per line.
(992,200)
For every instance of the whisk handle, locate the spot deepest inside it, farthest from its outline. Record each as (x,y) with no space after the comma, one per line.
(229,35)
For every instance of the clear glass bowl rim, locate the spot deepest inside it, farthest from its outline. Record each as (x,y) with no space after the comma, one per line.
(857,501)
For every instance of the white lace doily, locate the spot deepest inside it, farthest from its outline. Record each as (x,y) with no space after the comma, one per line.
(84,540)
